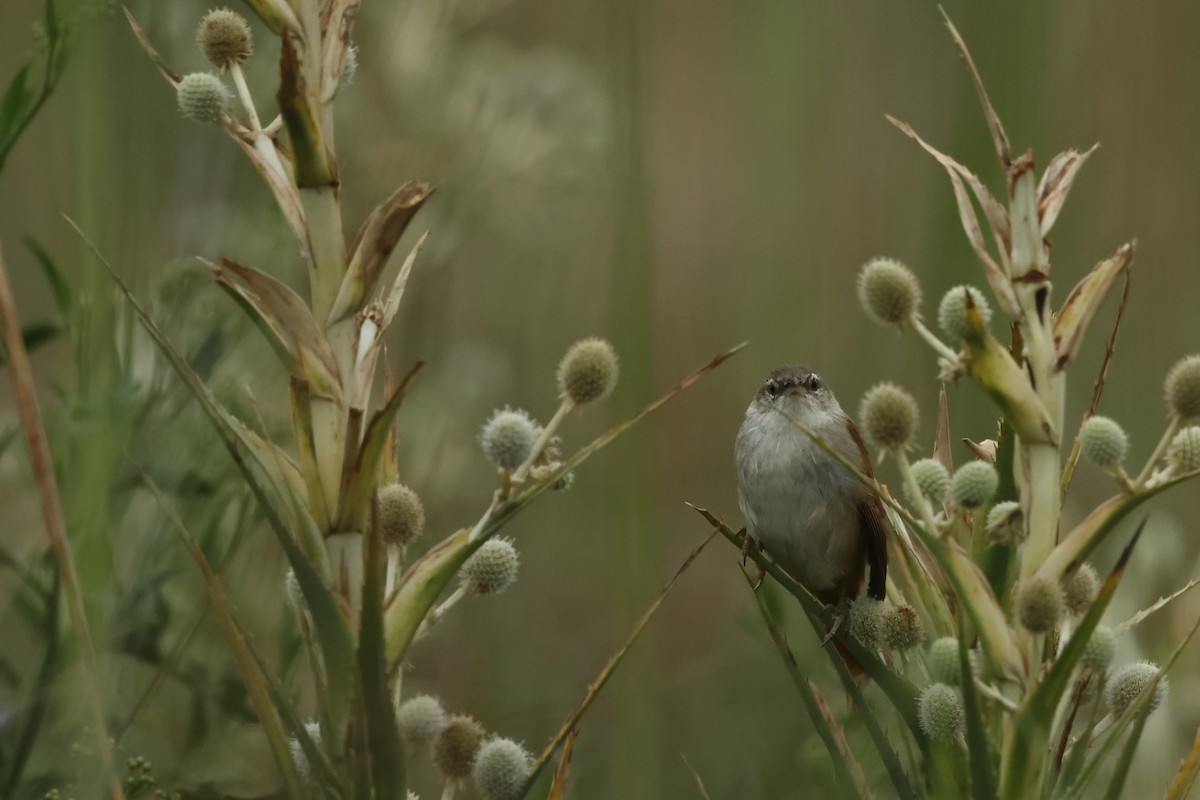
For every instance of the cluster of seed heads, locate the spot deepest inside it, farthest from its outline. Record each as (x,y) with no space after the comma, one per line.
(877,623)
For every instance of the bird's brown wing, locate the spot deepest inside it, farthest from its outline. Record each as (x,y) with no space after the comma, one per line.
(873,525)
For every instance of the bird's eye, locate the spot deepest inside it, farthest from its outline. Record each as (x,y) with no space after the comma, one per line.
(814,383)
(772,388)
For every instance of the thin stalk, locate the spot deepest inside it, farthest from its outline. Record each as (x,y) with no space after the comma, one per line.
(544,439)
(939,347)
(1159,450)
(56,527)
(435,616)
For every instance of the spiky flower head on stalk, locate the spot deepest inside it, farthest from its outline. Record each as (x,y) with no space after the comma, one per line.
(942,661)
(1006,523)
(1099,651)
(1103,442)
(224,38)
(952,311)
(889,291)
(401,514)
(866,620)
(1040,604)
(501,769)
(932,479)
(421,720)
(588,371)
(455,748)
(508,437)
(889,416)
(202,97)
(1185,450)
(1131,680)
(1080,588)
(1183,388)
(940,712)
(974,484)
(492,568)
(900,628)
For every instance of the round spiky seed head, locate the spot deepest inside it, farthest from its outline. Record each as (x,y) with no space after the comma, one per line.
(501,769)
(932,479)
(588,371)
(1040,604)
(901,630)
(940,712)
(889,416)
(1103,442)
(455,748)
(1128,682)
(942,661)
(1185,450)
(1099,651)
(202,97)
(421,720)
(974,484)
(1183,388)
(866,620)
(952,312)
(1006,523)
(224,37)
(401,515)
(508,437)
(492,568)
(1080,588)
(888,290)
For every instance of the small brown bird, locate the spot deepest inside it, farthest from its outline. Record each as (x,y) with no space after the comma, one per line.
(805,509)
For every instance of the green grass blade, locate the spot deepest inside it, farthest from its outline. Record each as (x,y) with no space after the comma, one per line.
(979,751)
(59,287)
(1116,783)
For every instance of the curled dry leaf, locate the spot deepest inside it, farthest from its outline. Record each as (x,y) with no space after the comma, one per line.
(1081,304)
(1056,184)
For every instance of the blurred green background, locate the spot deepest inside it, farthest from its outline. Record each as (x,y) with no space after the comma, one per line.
(676,176)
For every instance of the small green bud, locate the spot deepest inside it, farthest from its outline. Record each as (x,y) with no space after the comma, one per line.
(401,514)
(974,484)
(866,620)
(1103,442)
(501,769)
(900,629)
(421,720)
(224,38)
(1185,450)
(942,661)
(456,746)
(1128,682)
(508,438)
(1099,651)
(1183,388)
(1040,604)
(1080,588)
(952,312)
(940,712)
(588,371)
(888,290)
(1006,523)
(202,97)
(889,416)
(932,479)
(492,568)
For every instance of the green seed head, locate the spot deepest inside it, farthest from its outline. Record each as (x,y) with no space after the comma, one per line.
(1040,604)
(421,720)
(1099,651)
(974,484)
(889,416)
(1128,682)
(202,97)
(1185,450)
(952,312)
(942,661)
(401,514)
(508,438)
(492,568)
(1103,442)
(501,769)
(866,620)
(224,37)
(888,290)
(900,629)
(940,712)
(932,479)
(1079,589)
(588,371)
(1183,388)
(1006,523)
(456,746)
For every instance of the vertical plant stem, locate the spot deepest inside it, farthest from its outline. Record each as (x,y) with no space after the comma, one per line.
(56,529)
